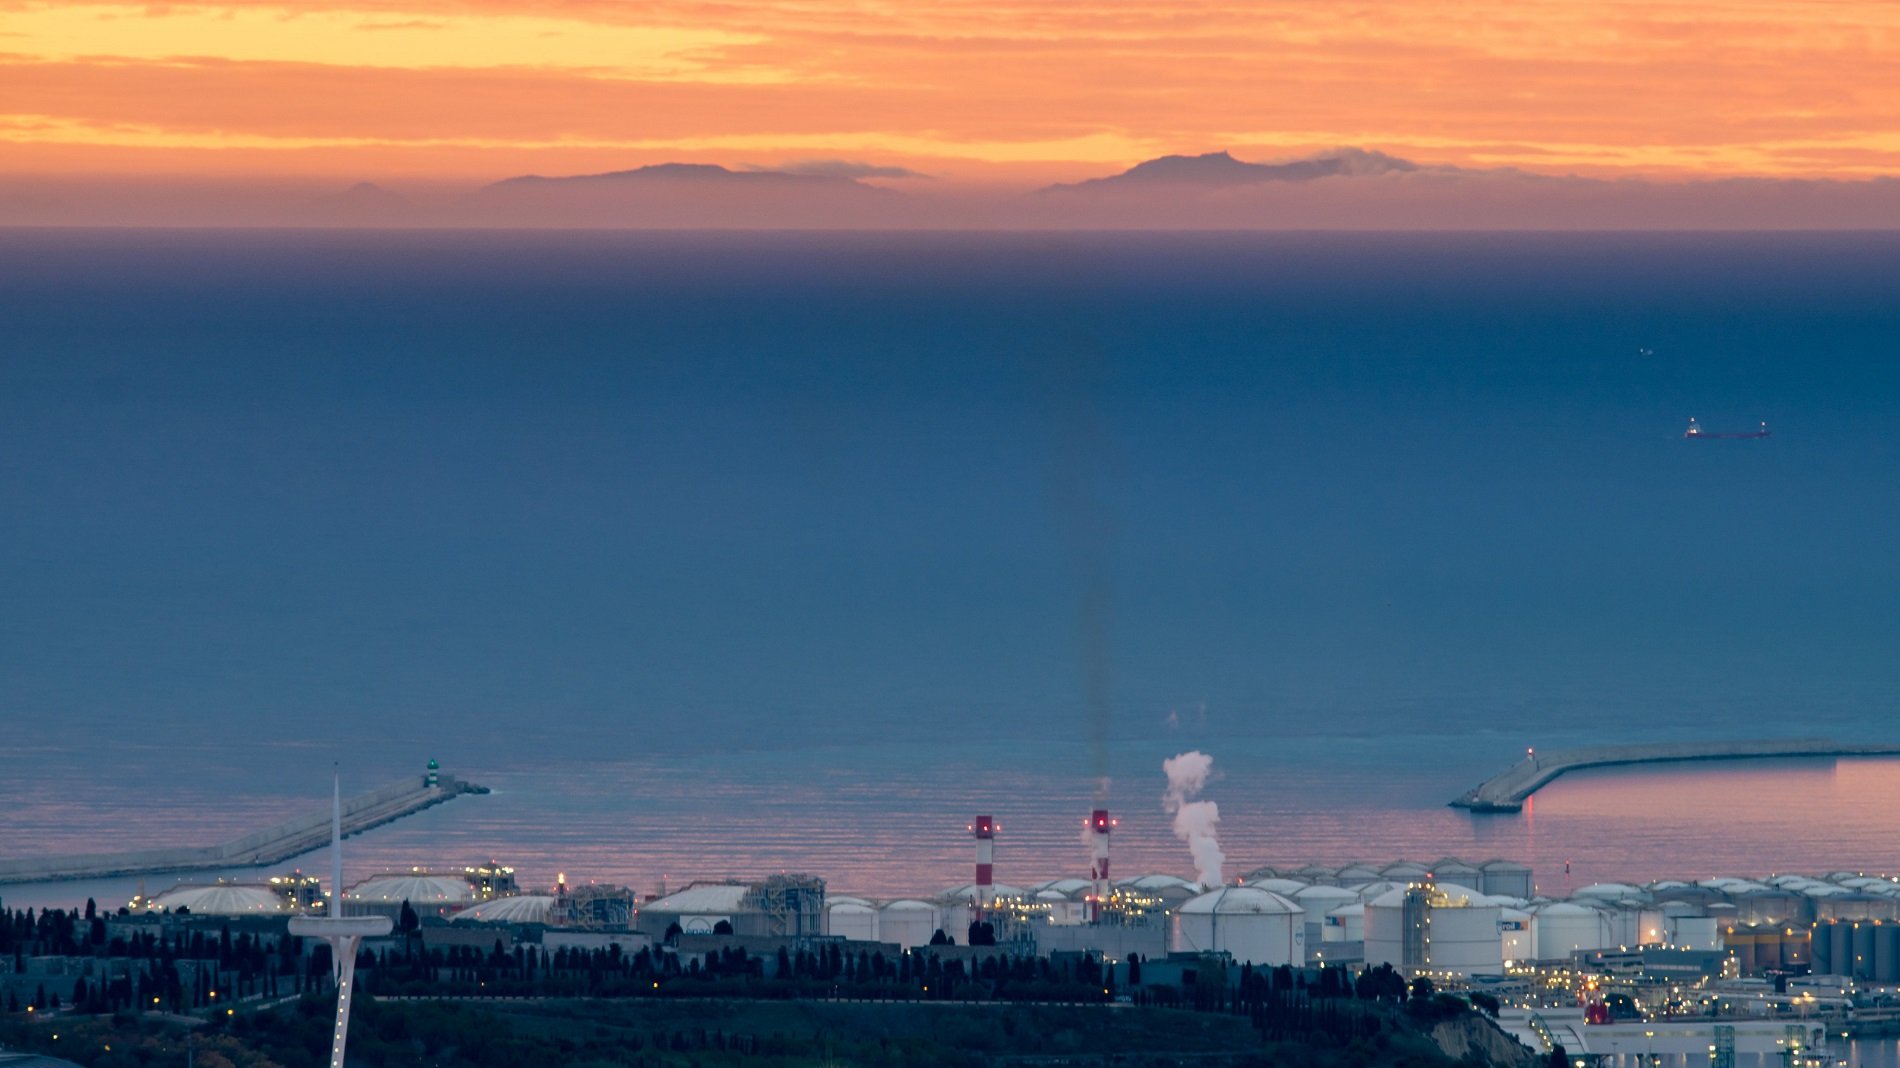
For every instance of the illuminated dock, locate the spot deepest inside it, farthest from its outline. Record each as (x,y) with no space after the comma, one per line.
(1507,791)
(291,838)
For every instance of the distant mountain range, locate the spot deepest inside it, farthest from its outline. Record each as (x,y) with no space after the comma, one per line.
(1344,188)
(1221,169)
(684,195)
(708,175)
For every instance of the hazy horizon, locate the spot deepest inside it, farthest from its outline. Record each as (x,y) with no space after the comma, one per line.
(1213,191)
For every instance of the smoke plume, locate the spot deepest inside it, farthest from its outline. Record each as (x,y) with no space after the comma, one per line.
(1194,821)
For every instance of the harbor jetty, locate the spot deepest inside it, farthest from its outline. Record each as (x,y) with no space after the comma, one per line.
(290,838)
(1508,790)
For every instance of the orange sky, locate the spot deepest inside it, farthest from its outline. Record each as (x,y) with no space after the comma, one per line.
(975,91)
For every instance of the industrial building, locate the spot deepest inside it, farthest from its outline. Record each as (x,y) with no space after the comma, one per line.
(783,906)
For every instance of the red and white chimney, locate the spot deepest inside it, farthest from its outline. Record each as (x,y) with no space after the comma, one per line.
(984,831)
(1099,827)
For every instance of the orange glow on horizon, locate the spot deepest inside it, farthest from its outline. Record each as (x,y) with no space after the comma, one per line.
(977,92)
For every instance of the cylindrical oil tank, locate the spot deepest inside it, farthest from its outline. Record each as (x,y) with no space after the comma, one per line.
(1821,951)
(1795,949)
(1319,902)
(1382,926)
(851,919)
(1254,926)
(1695,932)
(1840,942)
(1863,951)
(1514,935)
(1506,878)
(1650,927)
(1453,870)
(1741,946)
(1623,926)
(1887,953)
(1562,928)
(908,923)
(1345,925)
(1465,941)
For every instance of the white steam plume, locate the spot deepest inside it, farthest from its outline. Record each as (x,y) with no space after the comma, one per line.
(1194,821)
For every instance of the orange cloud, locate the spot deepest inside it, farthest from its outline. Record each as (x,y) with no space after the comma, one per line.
(972,89)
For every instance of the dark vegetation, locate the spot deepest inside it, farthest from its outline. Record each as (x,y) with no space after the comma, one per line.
(526,1005)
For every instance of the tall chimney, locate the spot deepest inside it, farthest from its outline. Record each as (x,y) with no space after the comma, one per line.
(1099,827)
(984,831)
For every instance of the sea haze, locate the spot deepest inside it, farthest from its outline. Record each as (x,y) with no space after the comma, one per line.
(719,554)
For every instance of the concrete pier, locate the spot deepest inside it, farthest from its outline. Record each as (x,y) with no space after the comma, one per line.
(1507,791)
(291,838)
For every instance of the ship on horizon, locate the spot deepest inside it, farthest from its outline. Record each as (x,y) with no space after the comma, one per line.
(1695,431)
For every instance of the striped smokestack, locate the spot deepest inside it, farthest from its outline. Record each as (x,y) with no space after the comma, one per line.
(1099,827)
(984,831)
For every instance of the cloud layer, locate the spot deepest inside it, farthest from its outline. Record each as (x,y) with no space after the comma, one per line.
(983,91)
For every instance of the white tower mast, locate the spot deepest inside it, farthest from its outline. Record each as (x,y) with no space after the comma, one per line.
(344,933)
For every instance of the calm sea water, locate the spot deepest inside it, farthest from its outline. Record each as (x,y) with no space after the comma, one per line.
(720,554)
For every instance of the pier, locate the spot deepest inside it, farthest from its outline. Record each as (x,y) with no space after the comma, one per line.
(1507,791)
(290,838)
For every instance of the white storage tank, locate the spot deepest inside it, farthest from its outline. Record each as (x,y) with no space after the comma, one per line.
(909,923)
(1459,931)
(1465,937)
(852,919)
(1622,926)
(426,894)
(221,899)
(1383,928)
(521,908)
(1346,924)
(1318,902)
(1563,927)
(1514,935)
(1283,887)
(1695,932)
(1453,870)
(1505,878)
(1255,926)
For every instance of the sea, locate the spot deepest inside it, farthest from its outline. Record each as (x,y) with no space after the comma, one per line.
(718,555)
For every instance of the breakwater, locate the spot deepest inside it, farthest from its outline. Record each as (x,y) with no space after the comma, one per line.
(1507,791)
(293,837)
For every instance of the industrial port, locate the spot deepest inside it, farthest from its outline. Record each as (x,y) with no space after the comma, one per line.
(1723,961)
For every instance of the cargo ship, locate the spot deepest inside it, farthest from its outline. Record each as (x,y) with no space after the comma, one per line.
(1695,431)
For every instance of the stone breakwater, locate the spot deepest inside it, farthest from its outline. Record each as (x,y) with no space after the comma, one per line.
(1506,791)
(293,837)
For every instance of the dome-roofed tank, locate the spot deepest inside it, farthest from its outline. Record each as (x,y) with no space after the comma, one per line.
(907,922)
(521,908)
(1171,889)
(1318,902)
(437,895)
(1255,926)
(1283,887)
(1505,878)
(222,899)
(852,918)
(1345,924)
(1563,927)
